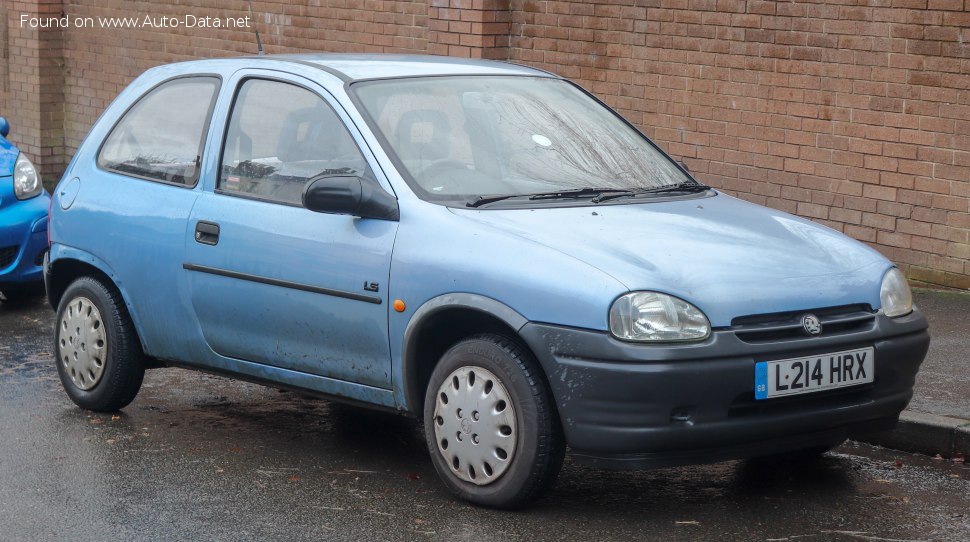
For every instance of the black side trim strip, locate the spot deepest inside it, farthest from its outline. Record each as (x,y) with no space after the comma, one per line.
(282,283)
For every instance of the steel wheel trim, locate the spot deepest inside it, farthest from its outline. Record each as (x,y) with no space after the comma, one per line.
(82,345)
(474,425)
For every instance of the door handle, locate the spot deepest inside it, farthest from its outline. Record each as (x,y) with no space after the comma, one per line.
(207,233)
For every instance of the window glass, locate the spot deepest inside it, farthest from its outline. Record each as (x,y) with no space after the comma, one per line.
(465,136)
(161,137)
(280,136)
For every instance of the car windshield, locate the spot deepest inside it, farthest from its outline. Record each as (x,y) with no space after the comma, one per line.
(466,137)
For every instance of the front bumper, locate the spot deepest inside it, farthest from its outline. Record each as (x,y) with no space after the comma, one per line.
(626,405)
(23,242)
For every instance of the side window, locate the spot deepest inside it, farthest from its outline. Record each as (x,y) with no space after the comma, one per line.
(280,136)
(161,137)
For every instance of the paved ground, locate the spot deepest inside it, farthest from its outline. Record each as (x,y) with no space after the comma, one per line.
(943,383)
(202,457)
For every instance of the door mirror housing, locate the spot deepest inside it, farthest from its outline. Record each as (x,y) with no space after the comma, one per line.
(350,195)
(4,127)
(683,165)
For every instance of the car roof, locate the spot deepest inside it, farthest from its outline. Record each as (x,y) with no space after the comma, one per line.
(356,67)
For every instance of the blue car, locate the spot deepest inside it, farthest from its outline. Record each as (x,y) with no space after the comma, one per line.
(481,245)
(23,223)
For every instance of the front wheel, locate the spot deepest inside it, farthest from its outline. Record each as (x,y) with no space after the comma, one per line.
(99,357)
(491,424)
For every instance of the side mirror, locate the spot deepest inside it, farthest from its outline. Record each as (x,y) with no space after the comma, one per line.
(683,165)
(350,195)
(4,127)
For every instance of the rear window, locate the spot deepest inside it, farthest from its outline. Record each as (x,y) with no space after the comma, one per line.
(161,137)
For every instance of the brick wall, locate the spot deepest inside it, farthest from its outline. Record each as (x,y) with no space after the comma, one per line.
(31,90)
(855,113)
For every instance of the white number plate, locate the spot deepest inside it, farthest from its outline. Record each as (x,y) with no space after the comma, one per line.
(813,373)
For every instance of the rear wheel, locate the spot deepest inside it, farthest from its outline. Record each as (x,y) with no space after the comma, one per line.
(490,423)
(99,358)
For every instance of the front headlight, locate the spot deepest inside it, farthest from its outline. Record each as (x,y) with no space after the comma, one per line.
(26,182)
(895,295)
(652,316)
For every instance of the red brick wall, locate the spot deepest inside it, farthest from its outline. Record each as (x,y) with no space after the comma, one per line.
(31,89)
(100,62)
(476,29)
(855,113)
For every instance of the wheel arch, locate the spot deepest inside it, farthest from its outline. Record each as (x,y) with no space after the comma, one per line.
(69,265)
(441,322)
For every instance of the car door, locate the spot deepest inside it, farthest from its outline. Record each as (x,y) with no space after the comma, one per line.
(270,281)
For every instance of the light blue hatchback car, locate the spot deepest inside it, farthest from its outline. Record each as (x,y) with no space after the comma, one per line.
(23,223)
(480,244)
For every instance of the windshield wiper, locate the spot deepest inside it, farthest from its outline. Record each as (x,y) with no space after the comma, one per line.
(579,193)
(595,193)
(687,186)
(485,200)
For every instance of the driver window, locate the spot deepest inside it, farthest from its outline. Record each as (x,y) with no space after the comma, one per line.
(280,136)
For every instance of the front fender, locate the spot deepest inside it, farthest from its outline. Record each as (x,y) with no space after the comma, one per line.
(474,302)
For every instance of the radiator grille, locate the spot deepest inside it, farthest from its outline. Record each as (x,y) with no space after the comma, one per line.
(840,320)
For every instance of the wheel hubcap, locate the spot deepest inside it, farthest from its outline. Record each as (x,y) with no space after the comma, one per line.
(82,343)
(474,425)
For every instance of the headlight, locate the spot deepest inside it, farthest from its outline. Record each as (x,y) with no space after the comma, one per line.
(652,316)
(26,182)
(895,295)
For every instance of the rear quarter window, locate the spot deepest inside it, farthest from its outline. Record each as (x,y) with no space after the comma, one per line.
(160,138)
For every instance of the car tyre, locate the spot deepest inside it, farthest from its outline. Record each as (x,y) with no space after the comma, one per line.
(505,397)
(99,357)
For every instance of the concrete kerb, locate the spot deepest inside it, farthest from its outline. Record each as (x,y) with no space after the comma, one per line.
(925,433)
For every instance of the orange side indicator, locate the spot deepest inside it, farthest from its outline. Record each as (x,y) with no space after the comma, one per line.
(399,305)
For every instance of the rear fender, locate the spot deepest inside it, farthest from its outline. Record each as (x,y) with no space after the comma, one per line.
(63,254)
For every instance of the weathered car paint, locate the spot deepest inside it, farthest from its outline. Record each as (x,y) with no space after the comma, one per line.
(728,257)
(557,266)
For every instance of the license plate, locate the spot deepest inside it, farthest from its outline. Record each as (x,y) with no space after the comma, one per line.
(810,374)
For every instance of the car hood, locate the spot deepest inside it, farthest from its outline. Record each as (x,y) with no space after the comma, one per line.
(728,257)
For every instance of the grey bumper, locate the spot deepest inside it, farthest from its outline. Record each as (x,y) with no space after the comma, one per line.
(628,405)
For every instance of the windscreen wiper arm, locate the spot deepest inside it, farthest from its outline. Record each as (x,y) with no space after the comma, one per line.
(595,193)
(578,193)
(485,200)
(689,186)
(679,187)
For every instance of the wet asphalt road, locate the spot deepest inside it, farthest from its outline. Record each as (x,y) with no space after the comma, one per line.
(202,457)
